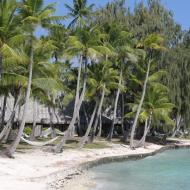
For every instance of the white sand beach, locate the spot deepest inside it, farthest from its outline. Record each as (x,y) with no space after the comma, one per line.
(40,170)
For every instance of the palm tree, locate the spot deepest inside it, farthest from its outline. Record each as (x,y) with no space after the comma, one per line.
(45,87)
(87,45)
(121,40)
(155,109)
(12,82)
(80,12)
(44,72)
(102,78)
(9,23)
(151,43)
(33,14)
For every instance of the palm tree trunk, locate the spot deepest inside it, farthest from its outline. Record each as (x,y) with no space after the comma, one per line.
(83,140)
(98,114)
(122,113)
(78,124)
(77,93)
(110,135)
(85,113)
(100,128)
(12,148)
(32,136)
(124,130)
(60,145)
(142,140)
(53,133)
(55,114)
(3,112)
(5,139)
(178,125)
(5,132)
(6,129)
(139,108)
(79,129)
(148,128)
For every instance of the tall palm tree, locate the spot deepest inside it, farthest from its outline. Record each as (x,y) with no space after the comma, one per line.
(45,73)
(151,44)
(87,45)
(33,14)
(79,13)
(121,40)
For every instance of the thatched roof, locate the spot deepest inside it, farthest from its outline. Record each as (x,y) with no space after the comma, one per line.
(43,117)
(42,114)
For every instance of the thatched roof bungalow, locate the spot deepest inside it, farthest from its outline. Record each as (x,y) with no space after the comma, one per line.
(34,108)
(61,118)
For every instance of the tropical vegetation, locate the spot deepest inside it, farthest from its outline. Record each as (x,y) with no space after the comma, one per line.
(123,74)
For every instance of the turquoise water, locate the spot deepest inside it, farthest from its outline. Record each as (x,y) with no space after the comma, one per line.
(169,170)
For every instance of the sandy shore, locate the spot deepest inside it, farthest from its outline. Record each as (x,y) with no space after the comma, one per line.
(39,170)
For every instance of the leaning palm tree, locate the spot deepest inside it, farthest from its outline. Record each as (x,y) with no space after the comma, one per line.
(12,83)
(155,109)
(33,14)
(151,44)
(79,13)
(15,74)
(102,78)
(87,45)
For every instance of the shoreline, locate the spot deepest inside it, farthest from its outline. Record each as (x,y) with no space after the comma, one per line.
(41,170)
(79,180)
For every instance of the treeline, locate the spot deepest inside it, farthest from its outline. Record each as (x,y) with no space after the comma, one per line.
(132,65)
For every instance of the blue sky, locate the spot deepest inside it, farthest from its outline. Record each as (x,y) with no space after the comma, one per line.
(180,8)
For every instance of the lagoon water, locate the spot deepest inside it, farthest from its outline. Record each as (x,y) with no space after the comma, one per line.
(169,170)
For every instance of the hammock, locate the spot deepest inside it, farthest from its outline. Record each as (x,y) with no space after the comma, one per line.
(35,143)
(25,135)
(58,132)
(46,132)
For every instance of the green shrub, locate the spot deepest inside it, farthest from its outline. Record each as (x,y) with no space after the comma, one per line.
(27,130)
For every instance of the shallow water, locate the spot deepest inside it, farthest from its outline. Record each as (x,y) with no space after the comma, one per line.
(169,170)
